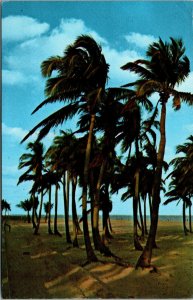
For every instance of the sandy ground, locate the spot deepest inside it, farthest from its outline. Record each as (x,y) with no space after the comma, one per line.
(46,266)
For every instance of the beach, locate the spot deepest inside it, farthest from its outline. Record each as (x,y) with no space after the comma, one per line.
(47,267)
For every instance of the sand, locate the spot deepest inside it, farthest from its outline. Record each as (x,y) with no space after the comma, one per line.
(47,267)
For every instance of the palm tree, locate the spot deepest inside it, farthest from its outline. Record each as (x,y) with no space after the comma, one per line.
(26,205)
(82,74)
(5,206)
(166,67)
(180,187)
(47,210)
(33,161)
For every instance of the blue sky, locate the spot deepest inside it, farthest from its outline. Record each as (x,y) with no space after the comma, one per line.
(34,31)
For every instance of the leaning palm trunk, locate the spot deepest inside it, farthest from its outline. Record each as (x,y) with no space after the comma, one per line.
(145,258)
(40,213)
(89,250)
(66,215)
(137,245)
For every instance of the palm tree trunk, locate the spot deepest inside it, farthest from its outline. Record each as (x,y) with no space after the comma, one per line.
(110,226)
(56,211)
(68,238)
(150,206)
(137,245)
(99,245)
(184,217)
(145,215)
(96,235)
(28,217)
(145,258)
(40,213)
(49,213)
(141,219)
(74,214)
(33,212)
(89,250)
(190,218)
(106,218)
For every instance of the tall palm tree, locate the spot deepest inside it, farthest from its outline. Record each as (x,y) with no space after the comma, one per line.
(82,74)
(165,67)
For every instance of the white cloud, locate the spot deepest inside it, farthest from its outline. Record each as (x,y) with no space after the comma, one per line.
(26,56)
(187,85)
(16,77)
(15,132)
(140,40)
(116,59)
(18,28)
(18,133)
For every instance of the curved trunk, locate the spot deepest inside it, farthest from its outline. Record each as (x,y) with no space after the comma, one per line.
(40,213)
(137,244)
(49,213)
(66,214)
(89,250)
(145,258)
(74,213)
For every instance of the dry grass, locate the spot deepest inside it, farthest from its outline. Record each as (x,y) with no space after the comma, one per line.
(46,266)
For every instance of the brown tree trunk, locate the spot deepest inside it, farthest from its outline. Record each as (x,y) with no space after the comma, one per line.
(137,244)
(145,258)
(89,250)
(76,226)
(66,214)
(33,212)
(190,218)
(56,212)
(40,213)
(28,217)
(49,214)
(184,218)
(141,220)
(145,215)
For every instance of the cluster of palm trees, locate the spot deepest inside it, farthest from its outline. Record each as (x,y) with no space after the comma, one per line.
(107,119)
(180,187)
